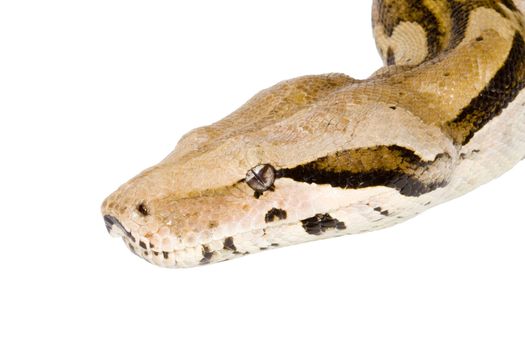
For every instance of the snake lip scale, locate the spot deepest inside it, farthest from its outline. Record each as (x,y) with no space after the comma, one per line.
(327,155)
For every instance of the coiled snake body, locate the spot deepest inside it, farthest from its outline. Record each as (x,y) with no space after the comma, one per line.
(323,156)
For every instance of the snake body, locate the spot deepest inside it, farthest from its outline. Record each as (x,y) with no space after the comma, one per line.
(327,155)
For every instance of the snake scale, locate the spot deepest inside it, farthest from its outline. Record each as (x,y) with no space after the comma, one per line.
(327,155)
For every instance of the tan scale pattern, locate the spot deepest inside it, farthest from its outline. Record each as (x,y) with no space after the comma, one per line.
(195,208)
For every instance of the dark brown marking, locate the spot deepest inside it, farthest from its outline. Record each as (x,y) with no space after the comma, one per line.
(213,224)
(275,214)
(510,5)
(229,245)
(445,29)
(390,57)
(130,236)
(207,255)
(321,223)
(381,211)
(143,245)
(166,255)
(390,166)
(460,15)
(503,88)
(391,13)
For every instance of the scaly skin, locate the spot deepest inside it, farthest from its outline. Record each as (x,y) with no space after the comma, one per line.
(444,116)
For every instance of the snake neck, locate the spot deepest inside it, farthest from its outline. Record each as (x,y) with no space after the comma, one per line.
(409,32)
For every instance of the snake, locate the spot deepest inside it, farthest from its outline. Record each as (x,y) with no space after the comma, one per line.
(323,156)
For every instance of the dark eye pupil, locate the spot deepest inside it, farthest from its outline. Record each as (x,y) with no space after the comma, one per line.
(261,178)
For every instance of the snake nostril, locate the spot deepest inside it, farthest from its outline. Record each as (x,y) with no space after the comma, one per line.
(114,226)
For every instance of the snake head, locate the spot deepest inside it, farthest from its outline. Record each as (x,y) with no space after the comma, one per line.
(294,164)
(219,194)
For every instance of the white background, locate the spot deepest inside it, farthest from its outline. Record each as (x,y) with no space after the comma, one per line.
(92,92)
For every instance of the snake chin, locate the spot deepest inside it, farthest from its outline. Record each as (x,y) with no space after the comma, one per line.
(217,250)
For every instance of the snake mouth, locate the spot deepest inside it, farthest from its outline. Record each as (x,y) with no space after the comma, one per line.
(138,247)
(221,248)
(148,253)
(200,254)
(116,229)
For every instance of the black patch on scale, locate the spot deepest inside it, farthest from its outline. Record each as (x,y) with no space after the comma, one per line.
(321,223)
(510,5)
(381,211)
(460,16)
(207,255)
(275,214)
(229,245)
(503,88)
(130,236)
(392,14)
(390,57)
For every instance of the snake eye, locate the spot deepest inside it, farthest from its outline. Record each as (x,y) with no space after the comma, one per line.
(261,178)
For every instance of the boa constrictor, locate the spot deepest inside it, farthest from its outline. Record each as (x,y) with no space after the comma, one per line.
(323,156)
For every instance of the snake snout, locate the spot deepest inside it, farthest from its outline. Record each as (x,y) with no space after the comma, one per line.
(114,227)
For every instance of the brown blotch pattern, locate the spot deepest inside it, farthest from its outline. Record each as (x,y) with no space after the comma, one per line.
(444,21)
(207,255)
(229,245)
(321,223)
(390,166)
(390,13)
(502,89)
(275,214)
